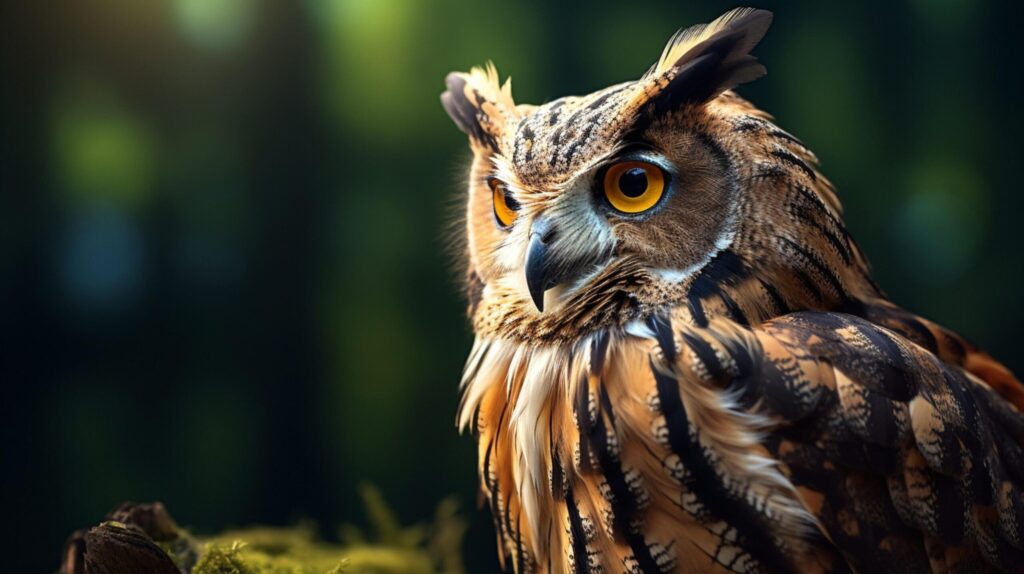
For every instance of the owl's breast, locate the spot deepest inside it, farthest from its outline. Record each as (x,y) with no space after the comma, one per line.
(594,451)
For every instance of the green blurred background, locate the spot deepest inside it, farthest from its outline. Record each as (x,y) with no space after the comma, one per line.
(224,281)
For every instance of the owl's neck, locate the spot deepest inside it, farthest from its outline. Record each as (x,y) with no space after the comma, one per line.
(745,289)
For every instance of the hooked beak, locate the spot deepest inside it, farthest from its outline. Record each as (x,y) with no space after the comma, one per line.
(545,267)
(539,276)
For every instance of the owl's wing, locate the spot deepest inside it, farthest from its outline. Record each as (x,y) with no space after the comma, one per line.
(906,461)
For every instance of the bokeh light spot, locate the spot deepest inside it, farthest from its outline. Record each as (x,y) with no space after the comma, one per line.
(101,257)
(368,64)
(215,24)
(942,222)
(101,151)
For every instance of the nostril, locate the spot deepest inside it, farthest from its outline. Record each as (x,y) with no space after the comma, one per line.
(543,229)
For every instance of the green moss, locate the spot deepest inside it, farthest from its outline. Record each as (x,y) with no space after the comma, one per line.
(387,547)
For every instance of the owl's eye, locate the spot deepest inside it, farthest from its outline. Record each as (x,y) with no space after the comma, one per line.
(505,206)
(634,186)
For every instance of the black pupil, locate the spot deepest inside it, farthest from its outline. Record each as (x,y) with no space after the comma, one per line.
(633,182)
(510,202)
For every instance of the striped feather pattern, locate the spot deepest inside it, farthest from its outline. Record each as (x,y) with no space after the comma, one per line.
(817,441)
(753,405)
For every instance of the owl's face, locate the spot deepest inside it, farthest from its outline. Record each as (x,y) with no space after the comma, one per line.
(558,211)
(596,210)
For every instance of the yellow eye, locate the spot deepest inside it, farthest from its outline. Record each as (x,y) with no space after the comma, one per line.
(505,206)
(633,186)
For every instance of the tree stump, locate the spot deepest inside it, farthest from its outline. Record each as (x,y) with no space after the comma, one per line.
(132,538)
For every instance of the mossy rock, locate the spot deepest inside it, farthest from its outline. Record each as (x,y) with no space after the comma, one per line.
(144,538)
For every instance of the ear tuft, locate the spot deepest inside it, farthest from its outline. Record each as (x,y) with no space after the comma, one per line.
(479,104)
(703,61)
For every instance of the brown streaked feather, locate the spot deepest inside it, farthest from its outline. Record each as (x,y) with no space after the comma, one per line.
(703,61)
(669,439)
(729,391)
(939,470)
(480,105)
(685,44)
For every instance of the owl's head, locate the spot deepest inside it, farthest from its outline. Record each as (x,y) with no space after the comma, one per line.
(594,211)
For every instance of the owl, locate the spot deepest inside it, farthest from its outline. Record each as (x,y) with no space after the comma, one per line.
(681,361)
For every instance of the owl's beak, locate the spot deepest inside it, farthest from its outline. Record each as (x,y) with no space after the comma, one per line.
(547,267)
(539,276)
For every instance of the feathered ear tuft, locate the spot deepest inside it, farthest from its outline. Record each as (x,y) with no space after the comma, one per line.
(703,61)
(479,105)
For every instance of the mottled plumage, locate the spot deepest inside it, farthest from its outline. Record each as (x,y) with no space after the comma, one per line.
(685,366)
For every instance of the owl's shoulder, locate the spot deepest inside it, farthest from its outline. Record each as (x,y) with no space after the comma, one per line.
(903,440)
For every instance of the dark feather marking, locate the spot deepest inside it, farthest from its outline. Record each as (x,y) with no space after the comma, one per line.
(918,333)
(556,140)
(507,517)
(492,494)
(526,133)
(720,154)
(600,100)
(896,379)
(598,352)
(811,206)
(837,244)
(578,139)
(464,113)
(557,472)
(813,199)
(733,309)
(799,163)
(773,294)
(784,135)
(583,423)
(963,472)
(786,394)
(1010,454)
(661,326)
(767,170)
(900,321)
(703,480)
(826,273)
(721,62)
(555,111)
(625,506)
(753,123)
(520,554)
(808,284)
(583,138)
(749,124)
(501,417)
(697,310)
(706,355)
(725,269)
(746,381)
(886,373)
(606,405)
(676,94)
(581,562)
